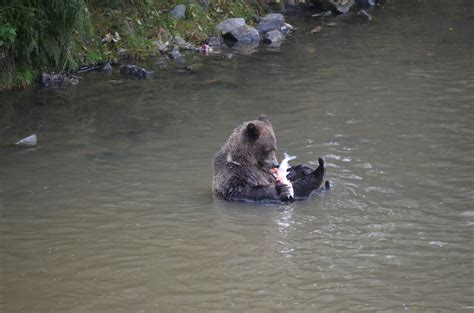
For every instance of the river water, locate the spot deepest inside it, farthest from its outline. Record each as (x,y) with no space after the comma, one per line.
(112,211)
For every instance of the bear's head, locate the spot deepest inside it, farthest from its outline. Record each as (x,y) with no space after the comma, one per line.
(253,143)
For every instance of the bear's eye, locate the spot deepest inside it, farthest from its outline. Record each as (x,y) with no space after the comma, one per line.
(267,150)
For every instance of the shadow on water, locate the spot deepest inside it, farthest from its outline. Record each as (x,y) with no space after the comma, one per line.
(112,210)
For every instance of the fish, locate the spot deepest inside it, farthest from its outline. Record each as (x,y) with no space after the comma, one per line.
(282,172)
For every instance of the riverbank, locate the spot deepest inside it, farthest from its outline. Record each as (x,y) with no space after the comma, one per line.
(52,37)
(73,37)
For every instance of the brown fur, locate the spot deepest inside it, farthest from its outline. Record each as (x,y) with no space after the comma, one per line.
(242,166)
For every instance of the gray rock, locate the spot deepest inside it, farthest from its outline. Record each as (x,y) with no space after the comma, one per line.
(134,70)
(179,41)
(28,141)
(183,44)
(122,53)
(245,35)
(341,6)
(204,3)
(270,22)
(56,80)
(214,42)
(175,54)
(273,36)
(229,25)
(179,11)
(107,67)
(161,64)
(287,29)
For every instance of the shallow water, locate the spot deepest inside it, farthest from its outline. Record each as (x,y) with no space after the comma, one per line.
(112,210)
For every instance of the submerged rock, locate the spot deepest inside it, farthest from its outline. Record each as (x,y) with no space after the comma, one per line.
(341,6)
(244,34)
(179,11)
(28,141)
(136,71)
(229,25)
(272,21)
(273,36)
(56,80)
(246,47)
(227,56)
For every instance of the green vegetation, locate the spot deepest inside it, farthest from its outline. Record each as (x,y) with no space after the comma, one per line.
(56,35)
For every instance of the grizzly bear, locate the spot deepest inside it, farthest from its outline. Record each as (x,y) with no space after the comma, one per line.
(242,167)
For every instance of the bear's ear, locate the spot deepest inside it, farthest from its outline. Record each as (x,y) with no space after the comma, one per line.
(264,119)
(252,131)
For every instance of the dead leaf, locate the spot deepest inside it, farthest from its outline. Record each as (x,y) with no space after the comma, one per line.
(108,38)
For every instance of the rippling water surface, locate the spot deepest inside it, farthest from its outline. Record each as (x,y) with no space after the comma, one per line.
(112,210)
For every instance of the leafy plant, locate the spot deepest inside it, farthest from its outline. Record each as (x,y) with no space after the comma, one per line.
(7,36)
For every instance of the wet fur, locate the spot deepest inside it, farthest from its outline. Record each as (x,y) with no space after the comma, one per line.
(241,167)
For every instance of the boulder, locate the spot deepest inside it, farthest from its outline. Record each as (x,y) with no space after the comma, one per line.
(270,22)
(273,36)
(245,35)
(229,25)
(179,11)
(134,70)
